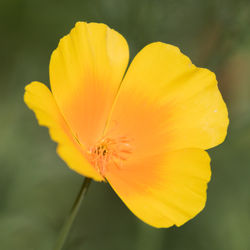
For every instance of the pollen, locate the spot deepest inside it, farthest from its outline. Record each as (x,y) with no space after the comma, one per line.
(108,153)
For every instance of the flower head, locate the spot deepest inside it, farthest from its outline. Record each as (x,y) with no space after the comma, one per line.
(145,133)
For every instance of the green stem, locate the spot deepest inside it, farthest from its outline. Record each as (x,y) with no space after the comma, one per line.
(70,219)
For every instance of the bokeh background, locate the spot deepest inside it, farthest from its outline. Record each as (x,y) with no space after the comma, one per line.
(37,189)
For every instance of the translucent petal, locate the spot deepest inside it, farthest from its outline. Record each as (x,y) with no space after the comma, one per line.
(85,73)
(164,190)
(39,98)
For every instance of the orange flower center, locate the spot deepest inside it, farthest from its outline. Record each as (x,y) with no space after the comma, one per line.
(109,152)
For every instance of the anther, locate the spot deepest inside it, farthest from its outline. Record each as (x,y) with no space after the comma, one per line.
(109,152)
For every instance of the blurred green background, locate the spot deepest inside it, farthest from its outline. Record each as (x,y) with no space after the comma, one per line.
(37,189)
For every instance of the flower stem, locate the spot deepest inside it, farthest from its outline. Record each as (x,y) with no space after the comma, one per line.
(70,219)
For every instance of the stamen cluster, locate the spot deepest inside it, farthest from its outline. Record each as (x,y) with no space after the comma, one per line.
(109,152)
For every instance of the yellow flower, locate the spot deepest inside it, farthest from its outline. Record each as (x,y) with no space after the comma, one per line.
(145,133)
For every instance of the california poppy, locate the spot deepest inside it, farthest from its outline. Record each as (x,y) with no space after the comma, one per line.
(145,131)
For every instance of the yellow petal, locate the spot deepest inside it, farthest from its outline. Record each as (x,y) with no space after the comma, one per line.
(85,73)
(39,98)
(167,103)
(164,190)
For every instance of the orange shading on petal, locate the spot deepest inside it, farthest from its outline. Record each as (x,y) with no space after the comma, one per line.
(164,190)
(85,73)
(166,107)
(166,103)
(39,98)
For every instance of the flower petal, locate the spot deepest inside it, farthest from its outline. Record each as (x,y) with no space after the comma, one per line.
(39,98)
(85,73)
(166,103)
(164,190)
